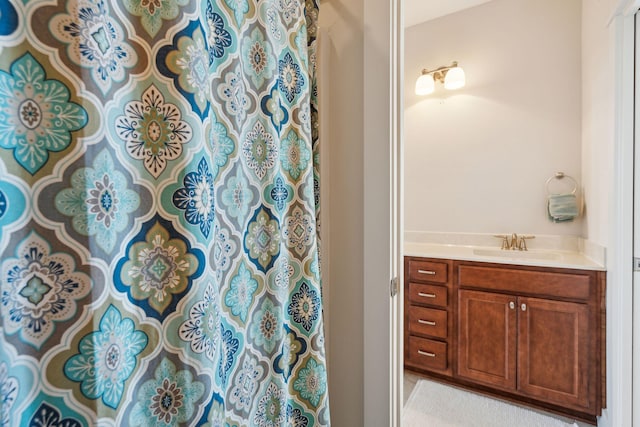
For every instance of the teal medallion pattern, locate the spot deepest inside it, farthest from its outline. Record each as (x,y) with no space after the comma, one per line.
(239,296)
(311,383)
(272,106)
(153,131)
(94,40)
(40,288)
(267,329)
(262,239)
(201,329)
(46,410)
(294,155)
(246,381)
(153,13)
(260,151)
(196,198)
(99,201)
(167,399)
(159,268)
(259,63)
(221,37)
(222,146)
(107,358)
(292,347)
(290,79)
(47,415)
(223,250)
(237,196)
(305,306)
(230,345)
(272,407)
(160,214)
(299,231)
(187,63)
(36,114)
(279,194)
(232,92)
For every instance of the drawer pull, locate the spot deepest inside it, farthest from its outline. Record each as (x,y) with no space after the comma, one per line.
(429,272)
(422,294)
(426,353)
(426,322)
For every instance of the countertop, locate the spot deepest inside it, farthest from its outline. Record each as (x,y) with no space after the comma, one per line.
(534,257)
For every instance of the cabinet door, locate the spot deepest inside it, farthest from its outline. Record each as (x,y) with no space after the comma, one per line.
(553,351)
(487,338)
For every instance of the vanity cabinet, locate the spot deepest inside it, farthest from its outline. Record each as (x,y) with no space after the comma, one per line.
(554,352)
(428,315)
(487,338)
(536,347)
(530,334)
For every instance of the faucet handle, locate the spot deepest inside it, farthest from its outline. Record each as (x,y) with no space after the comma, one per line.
(505,240)
(522,246)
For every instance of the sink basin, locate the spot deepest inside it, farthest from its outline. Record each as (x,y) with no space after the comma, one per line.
(517,254)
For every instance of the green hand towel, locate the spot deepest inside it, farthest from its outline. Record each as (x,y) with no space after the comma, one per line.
(562,207)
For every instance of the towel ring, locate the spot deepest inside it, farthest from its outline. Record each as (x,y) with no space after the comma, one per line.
(559,176)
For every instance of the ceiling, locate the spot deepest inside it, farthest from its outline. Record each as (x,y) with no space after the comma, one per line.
(418,11)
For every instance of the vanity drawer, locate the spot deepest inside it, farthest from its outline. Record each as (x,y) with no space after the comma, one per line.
(428,294)
(576,286)
(427,354)
(428,271)
(428,321)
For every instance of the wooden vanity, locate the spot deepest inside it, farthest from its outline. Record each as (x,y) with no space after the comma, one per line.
(533,335)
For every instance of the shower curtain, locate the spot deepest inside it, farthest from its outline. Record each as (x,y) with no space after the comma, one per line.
(159,202)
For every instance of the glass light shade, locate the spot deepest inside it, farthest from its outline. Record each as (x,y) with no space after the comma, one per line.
(425,84)
(454,79)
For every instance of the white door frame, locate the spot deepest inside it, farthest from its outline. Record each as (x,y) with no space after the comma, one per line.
(635,394)
(619,410)
(382,238)
(632,15)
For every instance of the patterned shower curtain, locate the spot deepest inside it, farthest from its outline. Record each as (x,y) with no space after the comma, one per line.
(158,214)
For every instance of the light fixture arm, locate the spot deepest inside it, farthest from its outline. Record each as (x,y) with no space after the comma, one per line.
(440,72)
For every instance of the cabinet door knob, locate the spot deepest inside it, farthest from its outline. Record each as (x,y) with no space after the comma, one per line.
(523,307)
(512,305)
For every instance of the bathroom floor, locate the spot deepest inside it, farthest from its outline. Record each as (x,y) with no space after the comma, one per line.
(410,380)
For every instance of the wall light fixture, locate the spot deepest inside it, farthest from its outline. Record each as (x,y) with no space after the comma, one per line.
(452,77)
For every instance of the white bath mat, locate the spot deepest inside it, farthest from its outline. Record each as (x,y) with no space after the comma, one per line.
(432,404)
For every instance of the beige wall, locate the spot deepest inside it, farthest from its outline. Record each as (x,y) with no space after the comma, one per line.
(598,94)
(344,136)
(477,159)
(357,135)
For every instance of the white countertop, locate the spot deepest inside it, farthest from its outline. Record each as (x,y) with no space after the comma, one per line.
(534,257)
